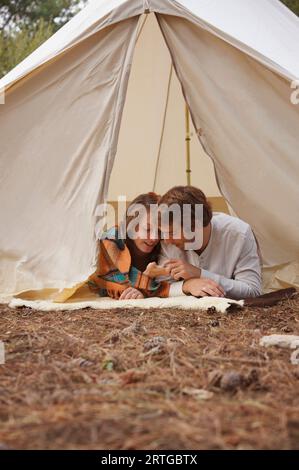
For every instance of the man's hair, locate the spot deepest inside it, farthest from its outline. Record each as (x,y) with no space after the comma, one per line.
(181,195)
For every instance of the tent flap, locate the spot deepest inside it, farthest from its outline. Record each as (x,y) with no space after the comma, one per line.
(250,129)
(58,133)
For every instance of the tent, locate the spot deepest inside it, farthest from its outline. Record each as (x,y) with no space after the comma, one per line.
(103,101)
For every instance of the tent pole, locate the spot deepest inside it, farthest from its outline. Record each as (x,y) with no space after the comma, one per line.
(188,150)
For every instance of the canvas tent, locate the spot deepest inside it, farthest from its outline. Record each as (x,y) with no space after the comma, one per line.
(108,88)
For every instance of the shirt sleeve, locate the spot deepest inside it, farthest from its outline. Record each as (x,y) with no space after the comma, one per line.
(176,289)
(246,281)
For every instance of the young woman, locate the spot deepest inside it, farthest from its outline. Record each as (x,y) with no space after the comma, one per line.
(127,267)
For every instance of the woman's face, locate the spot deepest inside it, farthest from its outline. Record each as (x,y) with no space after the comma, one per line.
(147,235)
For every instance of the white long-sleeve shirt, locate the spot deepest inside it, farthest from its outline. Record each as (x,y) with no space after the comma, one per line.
(231,258)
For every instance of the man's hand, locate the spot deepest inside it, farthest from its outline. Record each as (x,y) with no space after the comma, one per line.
(179,269)
(203,288)
(131,293)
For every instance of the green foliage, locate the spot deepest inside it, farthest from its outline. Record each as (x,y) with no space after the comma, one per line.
(15,47)
(21,13)
(26,24)
(292,5)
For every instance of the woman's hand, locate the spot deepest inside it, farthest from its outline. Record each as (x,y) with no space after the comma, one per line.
(203,288)
(179,269)
(153,270)
(131,293)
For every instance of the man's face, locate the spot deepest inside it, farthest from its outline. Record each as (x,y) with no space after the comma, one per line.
(181,226)
(174,234)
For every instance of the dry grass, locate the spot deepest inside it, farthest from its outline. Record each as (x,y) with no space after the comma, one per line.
(98,380)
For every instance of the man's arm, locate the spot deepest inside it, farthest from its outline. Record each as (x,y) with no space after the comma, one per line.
(195,286)
(192,285)
(247,277)
(246,280)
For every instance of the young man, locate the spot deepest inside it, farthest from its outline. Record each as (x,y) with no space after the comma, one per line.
(226,264)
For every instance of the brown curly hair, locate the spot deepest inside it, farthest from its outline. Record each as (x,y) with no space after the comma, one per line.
(181,195)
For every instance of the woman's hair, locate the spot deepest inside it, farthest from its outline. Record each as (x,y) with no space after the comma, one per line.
(146,200)
(181,195)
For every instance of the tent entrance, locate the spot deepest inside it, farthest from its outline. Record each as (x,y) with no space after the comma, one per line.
(64,108)
(151,153)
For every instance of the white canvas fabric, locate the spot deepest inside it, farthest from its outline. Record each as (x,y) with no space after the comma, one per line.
(96,16)
(58,130)
(263,29)
(63,127)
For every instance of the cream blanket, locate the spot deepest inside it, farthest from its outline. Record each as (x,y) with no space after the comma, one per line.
(100,303)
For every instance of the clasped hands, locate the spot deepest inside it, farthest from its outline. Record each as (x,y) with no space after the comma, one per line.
(194,284)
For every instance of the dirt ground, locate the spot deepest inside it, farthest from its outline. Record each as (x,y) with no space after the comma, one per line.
(133,379)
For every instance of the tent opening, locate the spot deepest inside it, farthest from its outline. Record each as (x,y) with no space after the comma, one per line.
(151,154)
